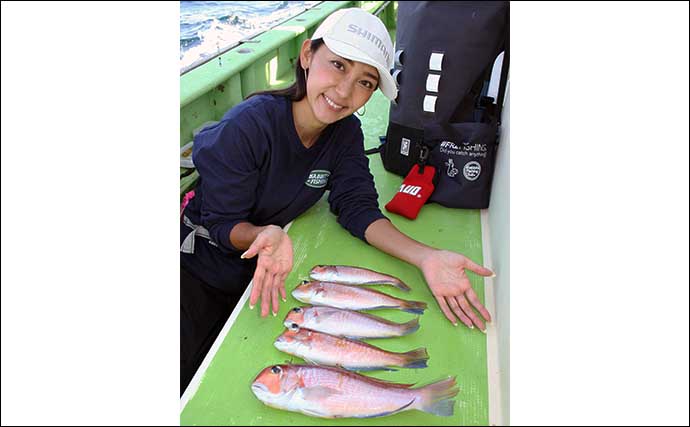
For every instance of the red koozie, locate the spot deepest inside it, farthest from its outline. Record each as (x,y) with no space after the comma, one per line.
(414,192)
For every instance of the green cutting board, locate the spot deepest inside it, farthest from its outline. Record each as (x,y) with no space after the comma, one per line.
(224,396)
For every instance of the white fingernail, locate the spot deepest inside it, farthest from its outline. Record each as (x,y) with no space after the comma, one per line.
(471,326)
(455,324)
(284,300)
(492,275)
(251,307)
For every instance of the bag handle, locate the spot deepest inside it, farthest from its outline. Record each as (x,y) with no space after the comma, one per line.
(504,70)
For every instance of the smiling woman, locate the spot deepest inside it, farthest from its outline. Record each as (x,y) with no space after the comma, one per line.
(271,158)
(268,160)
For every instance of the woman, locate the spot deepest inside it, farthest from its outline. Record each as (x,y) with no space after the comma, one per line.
(269,160)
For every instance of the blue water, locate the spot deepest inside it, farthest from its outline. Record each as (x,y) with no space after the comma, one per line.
(206,27)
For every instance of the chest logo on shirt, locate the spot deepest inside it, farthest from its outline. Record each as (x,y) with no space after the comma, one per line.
(318,178)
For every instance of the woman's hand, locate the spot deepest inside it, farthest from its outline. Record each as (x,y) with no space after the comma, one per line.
(274,248)
(444,272)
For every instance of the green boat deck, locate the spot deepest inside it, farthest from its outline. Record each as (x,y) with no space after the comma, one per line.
(220,392)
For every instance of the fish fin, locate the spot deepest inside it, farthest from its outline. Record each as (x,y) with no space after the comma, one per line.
(400,285)
(417,364)
(365,368)
(314,413)
(379,282)
(388,383)
(410,327)
(309,361)
(415,359)
(319,392)
(378,307)
(350,337)
(436,397)
(370,368)
(442,408)
(416,307)
(395,411)
(361,339)
(322,315)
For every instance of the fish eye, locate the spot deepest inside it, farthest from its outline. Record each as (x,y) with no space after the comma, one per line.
(297,310)
(276,369)
(304,282)
(294,326)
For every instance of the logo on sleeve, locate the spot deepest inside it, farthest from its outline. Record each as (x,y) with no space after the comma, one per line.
(318,178)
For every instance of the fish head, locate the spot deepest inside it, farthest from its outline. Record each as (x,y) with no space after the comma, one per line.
(306,291)
(275,384)
(296,315)
(319,272)
(292,339)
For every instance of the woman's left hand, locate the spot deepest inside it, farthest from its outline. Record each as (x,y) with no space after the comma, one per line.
(444,272)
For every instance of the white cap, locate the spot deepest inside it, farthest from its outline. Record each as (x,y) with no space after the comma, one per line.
(360,36)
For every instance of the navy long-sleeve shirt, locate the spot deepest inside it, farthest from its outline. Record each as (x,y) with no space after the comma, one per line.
(253,168)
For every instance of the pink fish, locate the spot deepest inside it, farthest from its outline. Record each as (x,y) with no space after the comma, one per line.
(352,297)
(326,392)
(354,276)
(324,349)
(348,323)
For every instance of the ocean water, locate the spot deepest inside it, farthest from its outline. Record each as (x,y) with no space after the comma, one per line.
(207,27)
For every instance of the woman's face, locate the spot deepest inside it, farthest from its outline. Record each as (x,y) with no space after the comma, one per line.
(336,86)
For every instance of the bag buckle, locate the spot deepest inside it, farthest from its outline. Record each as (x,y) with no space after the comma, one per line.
(423,156)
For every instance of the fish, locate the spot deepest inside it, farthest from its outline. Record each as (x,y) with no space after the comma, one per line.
(351,297)
(354,276)
(347,323)
(327,392)
(324,349)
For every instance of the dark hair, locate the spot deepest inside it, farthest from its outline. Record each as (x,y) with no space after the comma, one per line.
(297,90)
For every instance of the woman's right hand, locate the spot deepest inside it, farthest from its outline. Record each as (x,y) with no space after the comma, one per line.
(274,248)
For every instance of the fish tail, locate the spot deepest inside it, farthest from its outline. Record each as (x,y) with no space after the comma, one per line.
(415,359)
(409,327)
(416,307)
(436,397)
